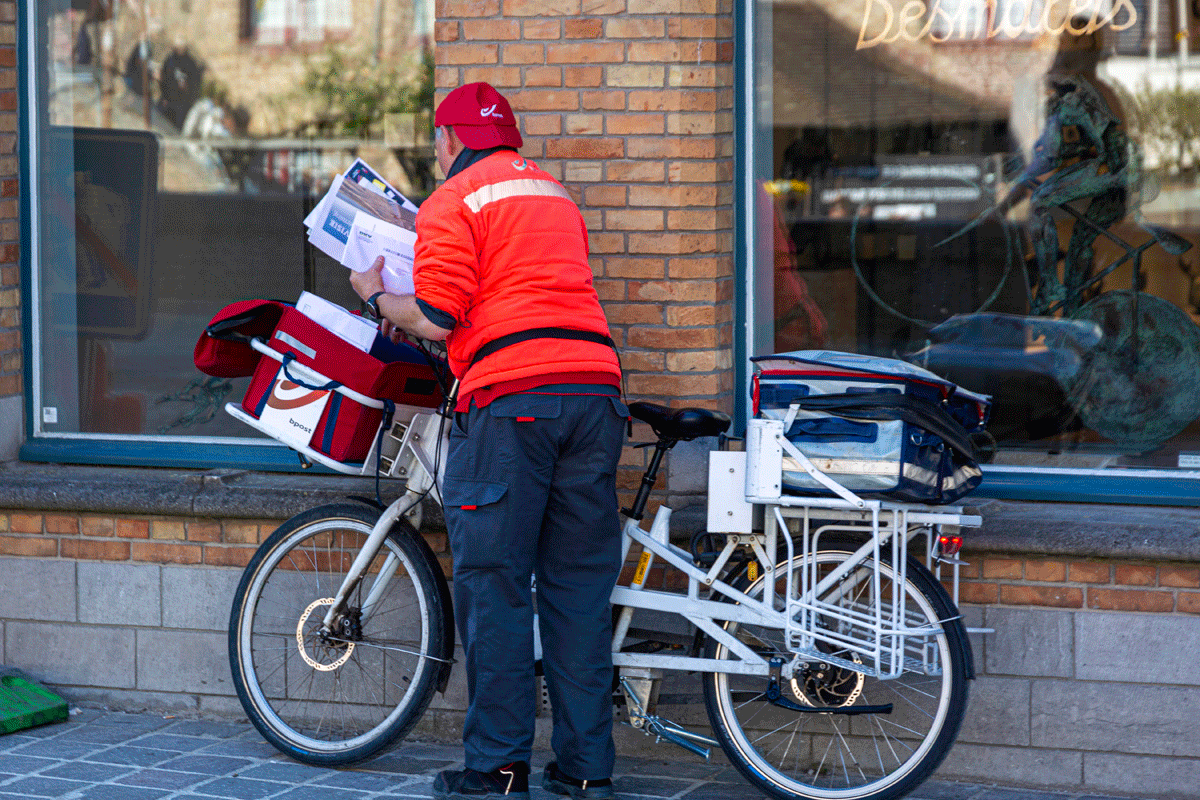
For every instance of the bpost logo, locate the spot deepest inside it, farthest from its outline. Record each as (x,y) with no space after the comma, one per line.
(287,395)
(887,21)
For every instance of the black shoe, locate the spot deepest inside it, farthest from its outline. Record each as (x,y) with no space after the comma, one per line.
(557,781)
(511,781)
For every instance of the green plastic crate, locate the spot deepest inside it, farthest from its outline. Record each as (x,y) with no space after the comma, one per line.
(25,704)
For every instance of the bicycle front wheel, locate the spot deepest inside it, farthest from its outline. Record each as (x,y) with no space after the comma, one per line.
(828,755)
(335,698)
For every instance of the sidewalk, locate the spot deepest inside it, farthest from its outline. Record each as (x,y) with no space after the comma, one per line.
(111,756)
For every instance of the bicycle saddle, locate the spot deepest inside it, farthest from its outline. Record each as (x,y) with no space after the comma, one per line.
(680,423)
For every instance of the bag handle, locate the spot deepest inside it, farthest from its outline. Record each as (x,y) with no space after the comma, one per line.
(288,358)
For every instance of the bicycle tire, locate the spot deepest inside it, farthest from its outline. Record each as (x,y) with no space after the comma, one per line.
(823,756)
(335,703)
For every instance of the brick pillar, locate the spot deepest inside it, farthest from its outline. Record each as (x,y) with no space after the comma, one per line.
(630,104)
(11,429)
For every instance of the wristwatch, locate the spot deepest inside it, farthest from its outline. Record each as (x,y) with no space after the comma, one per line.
(373,304)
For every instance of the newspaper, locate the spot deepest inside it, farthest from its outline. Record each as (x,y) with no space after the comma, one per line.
(363,217)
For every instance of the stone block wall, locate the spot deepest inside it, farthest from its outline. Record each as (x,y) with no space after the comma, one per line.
(1087,677)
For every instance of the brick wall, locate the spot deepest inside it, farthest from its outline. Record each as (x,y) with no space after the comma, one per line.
(1099,585)
(145,539)
(10,314)
(630,104)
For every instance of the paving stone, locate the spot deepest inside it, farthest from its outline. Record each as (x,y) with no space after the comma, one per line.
(1016,794)
(206,764)
(945,790)
(208,729)
(395,762)
(241,747)
(163,779)
(58,748)
(165,741)
(38,786)
(285,771)
(110,791)
(320,793)
(363,781)
(12,764)
(85,771)
(650,785)
(133,756)
(241,788)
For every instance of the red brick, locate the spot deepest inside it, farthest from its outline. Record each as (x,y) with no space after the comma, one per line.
(633,314)
(503,77)
(491,29)
(1136,574)
(61,524)
(640,268)
(203,532)
(1009,568)
(524,54)
(544,76)
(97,526)
(445,31)
(605,100)
(589,28)
(1053,596)
(25,523)
(94,550)
(668,339)
(458,9)
(241,533)
(468,54)
(591,148)
(1130,600)
(542,29)
(133,529)
(545,100)
(1089,572)
(635,124)
(162,553)
(541,8)
(635,171)
(1052,571)
(676,386)
(227,556)
(590,53)
(583,77)
(1179,576)
(634,28)
(1188,602)
(35,546)
(675,291)
(679,243)
(980,594)
(632,219)
(613,196)
(8,57)
(9,187)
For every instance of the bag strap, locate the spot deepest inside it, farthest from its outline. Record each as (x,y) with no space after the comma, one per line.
(289,358)
(539,333)
(888,406)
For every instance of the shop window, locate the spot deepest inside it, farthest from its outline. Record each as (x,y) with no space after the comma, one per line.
(171,170)
(1020,216)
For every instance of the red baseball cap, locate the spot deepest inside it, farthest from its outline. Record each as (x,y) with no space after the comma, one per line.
(480,116)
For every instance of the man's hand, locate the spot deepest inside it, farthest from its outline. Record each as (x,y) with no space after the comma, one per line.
(369,282)
(399,312)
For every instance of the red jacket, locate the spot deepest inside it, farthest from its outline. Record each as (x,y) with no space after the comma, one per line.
(502,248)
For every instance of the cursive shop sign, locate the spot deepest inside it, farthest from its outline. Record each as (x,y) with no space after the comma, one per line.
(886,21)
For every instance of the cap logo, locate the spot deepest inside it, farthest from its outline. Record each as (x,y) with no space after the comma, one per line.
(490,111)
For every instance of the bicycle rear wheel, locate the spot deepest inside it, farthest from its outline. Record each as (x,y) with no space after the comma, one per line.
(791,754)
(336,699)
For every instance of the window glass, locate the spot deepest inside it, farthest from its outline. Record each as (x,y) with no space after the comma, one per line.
(176,150)
(1004,192)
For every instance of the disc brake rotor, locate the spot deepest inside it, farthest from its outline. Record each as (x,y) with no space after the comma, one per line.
(318,651)
(827,685)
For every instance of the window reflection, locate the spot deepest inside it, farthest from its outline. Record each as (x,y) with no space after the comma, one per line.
(188,142)
(1012,207)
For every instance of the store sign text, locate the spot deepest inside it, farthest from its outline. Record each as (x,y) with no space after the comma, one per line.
(911,20)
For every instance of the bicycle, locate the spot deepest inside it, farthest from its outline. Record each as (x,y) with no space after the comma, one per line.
(833,662)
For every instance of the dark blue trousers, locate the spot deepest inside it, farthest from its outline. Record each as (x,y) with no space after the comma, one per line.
(530,489)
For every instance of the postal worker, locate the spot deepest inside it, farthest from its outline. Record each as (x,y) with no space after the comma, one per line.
(501,274)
